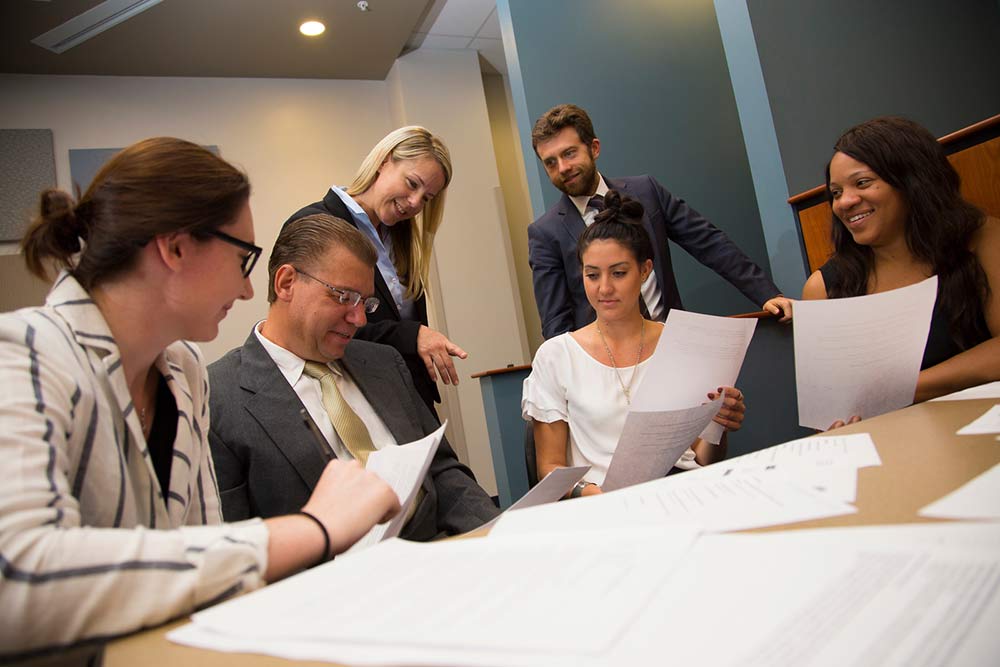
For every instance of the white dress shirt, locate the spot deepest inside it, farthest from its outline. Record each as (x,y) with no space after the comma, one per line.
(650,290)
(309,392)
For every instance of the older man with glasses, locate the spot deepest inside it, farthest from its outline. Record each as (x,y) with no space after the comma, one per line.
(359,396)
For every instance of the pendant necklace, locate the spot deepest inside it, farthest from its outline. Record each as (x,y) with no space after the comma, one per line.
(626,389)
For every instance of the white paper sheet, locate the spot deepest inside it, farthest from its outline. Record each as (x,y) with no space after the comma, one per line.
(873,596)
(460,602)
(869,597)
(838,482)
(403,468)
(696,354)
(989,422)
(553,486)
(856,450)
(978,498)
(739,503)
(652,442)
(988,390)
(860,355)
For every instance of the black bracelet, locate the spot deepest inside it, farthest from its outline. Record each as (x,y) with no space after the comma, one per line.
(326,537)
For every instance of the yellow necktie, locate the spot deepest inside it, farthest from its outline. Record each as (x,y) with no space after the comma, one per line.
(349,427)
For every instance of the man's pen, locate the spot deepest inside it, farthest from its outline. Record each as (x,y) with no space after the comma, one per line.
(321,444)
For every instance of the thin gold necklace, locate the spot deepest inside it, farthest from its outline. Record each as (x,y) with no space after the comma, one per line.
(626,389)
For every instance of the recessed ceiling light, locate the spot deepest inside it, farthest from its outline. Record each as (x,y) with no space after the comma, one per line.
(312,28)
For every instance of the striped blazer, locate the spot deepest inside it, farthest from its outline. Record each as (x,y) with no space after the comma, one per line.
(90,545)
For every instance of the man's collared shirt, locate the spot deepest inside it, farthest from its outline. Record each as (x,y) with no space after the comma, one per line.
(309,392)
(650,290)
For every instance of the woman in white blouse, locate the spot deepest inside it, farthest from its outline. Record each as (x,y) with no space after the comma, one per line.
(110,518)
(581,383)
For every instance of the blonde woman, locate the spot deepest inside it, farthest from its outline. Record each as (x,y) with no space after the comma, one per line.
(397,201)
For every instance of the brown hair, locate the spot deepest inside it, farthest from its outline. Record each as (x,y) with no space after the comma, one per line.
(156,186)
(303,242)
(621,221)
(558,117)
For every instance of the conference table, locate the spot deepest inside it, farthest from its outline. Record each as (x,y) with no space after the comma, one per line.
(922,460)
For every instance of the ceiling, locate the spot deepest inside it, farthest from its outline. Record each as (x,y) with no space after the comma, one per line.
(250,38)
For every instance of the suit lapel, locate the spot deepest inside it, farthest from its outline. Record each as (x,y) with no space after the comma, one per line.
(336,206)
(273,404)
(572,221)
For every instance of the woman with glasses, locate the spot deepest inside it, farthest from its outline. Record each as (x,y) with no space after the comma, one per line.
(397,200)
(110,517)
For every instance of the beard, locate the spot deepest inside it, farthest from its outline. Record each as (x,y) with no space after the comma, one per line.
(585,183)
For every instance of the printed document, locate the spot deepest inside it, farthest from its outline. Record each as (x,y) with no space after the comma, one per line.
(696,354)
(860,355)
(404,469)
(728,503)
(553,486)
(652,442)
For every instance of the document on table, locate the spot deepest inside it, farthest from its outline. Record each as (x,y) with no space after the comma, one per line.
(868,597)
(403,468)
(988,390)
(652,442)
(828,464)
(457,602)
(856,450)
(553,486)
(977,499)
(860,355)
(987,423)
(696,354)
(728,503)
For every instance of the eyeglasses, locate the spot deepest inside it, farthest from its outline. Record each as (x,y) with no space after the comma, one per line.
(347,297)
(253,252)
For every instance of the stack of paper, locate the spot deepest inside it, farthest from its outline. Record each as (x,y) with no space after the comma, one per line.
(926,595)
(827,463)
(726,503)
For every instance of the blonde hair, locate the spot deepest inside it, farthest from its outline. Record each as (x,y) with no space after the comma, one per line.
(411,244)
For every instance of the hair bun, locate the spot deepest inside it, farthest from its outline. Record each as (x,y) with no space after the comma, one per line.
(60,213)
(620,207)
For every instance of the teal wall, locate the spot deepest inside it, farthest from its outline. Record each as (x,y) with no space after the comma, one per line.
(828,66)
(733,105)
(653,77)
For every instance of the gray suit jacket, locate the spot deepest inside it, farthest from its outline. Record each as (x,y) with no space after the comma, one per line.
(558,277)
(267,462)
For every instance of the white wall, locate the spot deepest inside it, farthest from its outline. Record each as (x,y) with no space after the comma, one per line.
(295,138)
(474,301)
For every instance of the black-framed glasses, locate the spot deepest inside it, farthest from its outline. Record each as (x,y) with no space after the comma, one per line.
(253,251)
(347,297)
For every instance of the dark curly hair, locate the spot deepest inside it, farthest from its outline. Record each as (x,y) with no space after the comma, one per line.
(621,221)
(939,225)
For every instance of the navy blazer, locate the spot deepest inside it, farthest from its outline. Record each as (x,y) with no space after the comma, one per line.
(266,460)
(558,278)
(384,325)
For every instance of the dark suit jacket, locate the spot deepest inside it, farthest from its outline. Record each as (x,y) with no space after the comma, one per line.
(266,460)
(558,279)
(384,325)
